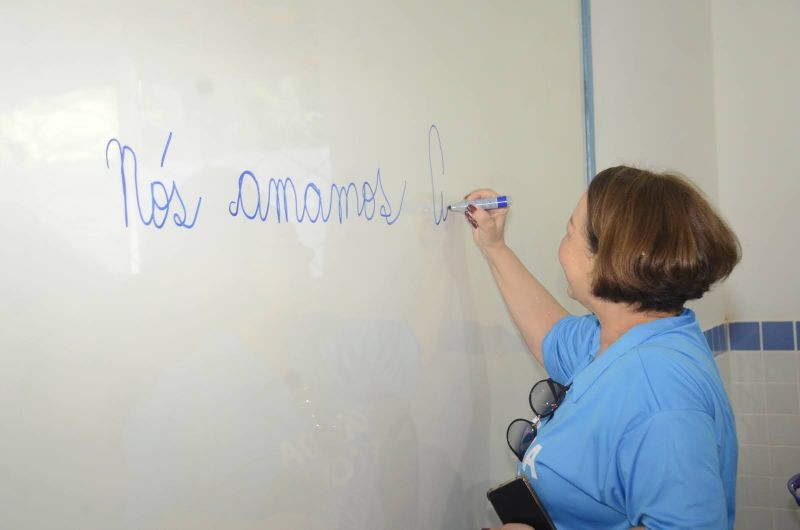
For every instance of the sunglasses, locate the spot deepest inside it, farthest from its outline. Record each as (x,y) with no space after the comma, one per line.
(544,399)
(794,487)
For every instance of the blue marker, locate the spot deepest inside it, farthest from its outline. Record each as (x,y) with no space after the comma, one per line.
(489,203)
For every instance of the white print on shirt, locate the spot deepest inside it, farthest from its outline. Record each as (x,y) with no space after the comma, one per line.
(530,460)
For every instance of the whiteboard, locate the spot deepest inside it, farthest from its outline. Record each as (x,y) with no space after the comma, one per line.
(231,297)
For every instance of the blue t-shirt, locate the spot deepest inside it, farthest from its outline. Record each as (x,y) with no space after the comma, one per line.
(645,435)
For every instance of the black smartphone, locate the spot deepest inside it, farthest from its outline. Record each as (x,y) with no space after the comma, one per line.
(516,502)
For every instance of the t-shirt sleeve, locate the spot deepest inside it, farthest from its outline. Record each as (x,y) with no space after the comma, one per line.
(568,342)
(669,473)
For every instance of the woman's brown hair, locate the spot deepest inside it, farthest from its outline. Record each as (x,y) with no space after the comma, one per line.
(656,240)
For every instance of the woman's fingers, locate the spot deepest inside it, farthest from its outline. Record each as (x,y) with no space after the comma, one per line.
(479,214)
(484,217)
(487,225)
(471,220)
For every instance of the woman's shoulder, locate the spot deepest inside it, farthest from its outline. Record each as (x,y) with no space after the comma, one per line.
(680,375)
(575,327)
(571,335)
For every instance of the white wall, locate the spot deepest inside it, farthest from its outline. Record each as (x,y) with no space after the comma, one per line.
(654,100)
(757,81)
(709,88)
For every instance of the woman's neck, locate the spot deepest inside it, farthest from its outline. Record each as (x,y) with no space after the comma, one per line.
(617,319)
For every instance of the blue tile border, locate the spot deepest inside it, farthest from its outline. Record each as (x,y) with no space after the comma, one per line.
(725,333)
(710,340)
(766,335)
(717,338)
(778,335)
(722,338)
(745,335)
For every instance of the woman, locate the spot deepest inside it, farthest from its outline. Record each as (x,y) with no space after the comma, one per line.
(643,434)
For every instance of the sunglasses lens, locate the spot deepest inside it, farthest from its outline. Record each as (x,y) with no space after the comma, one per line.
(794,487)
(546,396)
(520,435)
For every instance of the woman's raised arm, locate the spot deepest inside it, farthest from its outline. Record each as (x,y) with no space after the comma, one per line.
(531,305)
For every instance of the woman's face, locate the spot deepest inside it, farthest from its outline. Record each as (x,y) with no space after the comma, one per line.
(575,256)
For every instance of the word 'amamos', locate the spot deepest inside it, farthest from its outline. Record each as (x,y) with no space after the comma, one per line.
(257,197)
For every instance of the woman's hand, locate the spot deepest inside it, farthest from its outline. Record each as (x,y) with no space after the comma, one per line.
(487,225)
